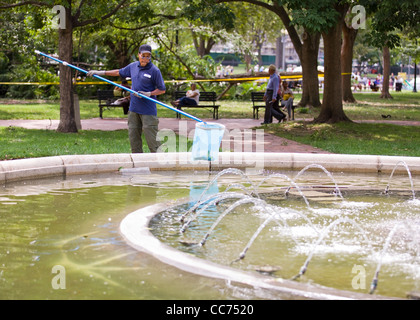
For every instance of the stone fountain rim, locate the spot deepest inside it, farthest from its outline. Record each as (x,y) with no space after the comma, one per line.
(66,165)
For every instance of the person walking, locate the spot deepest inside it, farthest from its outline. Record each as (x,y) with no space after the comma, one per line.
(146,79)
(270,97)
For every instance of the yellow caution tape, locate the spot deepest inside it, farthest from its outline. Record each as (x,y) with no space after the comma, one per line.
(49,83)
(297,76)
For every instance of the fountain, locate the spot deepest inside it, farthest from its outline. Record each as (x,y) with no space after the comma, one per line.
(277,213)
(316,233)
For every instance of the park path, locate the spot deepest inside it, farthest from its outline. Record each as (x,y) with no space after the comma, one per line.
(270,143)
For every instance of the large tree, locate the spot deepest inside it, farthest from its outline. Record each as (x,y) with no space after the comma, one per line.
(124,32)
(327,17)
(389,17)
(211,18)
(306,46)
(332,104)
(349,37)
(256,26)
(77,13)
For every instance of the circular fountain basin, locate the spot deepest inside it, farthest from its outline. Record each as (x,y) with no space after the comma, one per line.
(263,248)
(136,231)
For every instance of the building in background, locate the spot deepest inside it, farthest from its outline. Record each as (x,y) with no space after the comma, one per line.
(281,53)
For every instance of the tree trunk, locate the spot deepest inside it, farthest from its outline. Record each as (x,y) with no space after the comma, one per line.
(387,67)
(308,55)
(248,61)
(349,37)
(121,53)
(259,55)
(65,50)
(202,44)
(332,104)
(309,61)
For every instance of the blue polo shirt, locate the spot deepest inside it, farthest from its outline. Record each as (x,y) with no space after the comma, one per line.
(273,84)
(147,78)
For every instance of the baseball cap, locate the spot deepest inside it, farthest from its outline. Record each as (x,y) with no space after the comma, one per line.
(145,48)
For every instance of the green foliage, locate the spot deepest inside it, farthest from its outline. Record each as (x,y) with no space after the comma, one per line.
(314,16)
(29,70)
(23,31)
(255,25)
(173,69)
(243,90)
(170,66)
(207,12)
(102,45)
(4,73)
(389,18)
(303,110)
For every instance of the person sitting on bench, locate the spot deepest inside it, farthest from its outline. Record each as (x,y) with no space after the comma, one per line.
(119,92)
(376,83)
(191,98)
(287,98)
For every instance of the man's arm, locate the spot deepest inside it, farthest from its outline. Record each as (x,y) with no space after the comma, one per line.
(275,89)
(191,93)
(112,73)
(157,92)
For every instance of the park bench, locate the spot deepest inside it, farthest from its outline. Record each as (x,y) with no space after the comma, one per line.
(204,97)
(295,86)
(106,99)
(375,88)
(258,102)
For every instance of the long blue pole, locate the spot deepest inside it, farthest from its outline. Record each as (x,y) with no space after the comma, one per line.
(120,86)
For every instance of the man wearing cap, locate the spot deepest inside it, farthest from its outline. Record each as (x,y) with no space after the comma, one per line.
(147,80)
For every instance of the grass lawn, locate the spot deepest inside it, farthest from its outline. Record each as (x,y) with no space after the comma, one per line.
(404,106)
(362,138)
(19,143)
(354,138)
(345,138)
(16,143)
